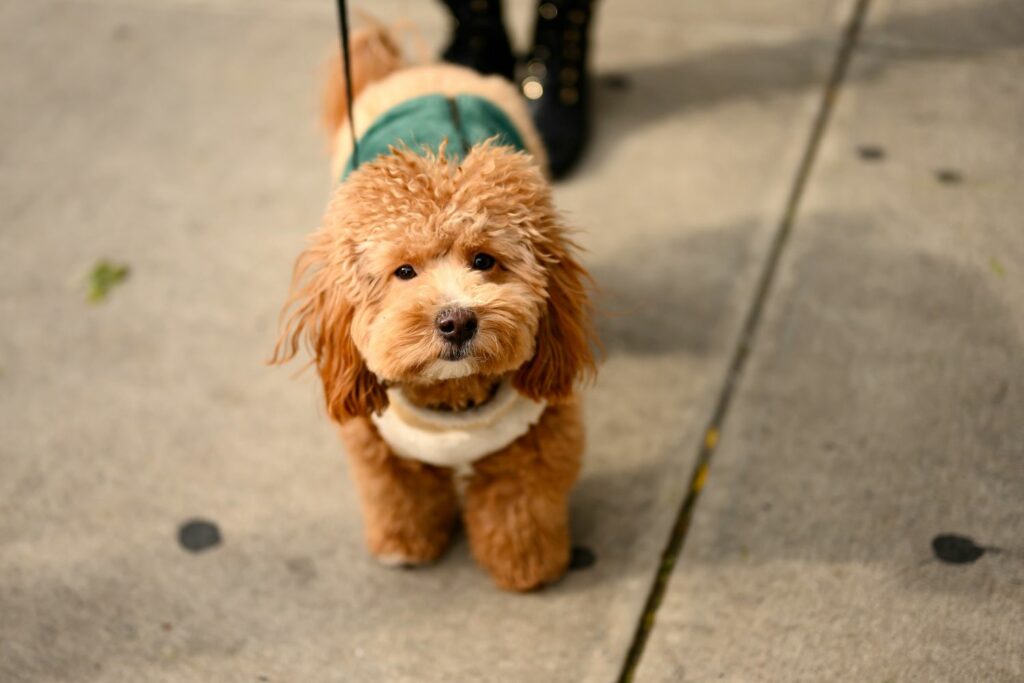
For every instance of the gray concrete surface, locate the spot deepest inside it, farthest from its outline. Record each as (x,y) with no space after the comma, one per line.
(180,137)
(883,402)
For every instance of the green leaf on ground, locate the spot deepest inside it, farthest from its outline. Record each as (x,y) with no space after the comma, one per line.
(997,267)
(103,277)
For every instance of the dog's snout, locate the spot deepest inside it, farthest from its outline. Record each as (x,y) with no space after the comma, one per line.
(457,325)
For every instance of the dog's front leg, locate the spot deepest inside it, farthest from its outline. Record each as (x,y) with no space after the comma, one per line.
(409,508)
(516,509)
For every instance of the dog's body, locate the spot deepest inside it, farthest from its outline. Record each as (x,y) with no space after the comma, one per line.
(449,323)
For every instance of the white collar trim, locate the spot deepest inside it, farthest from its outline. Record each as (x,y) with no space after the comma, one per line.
(451,439)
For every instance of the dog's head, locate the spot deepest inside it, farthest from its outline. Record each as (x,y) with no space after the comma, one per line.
(428,269)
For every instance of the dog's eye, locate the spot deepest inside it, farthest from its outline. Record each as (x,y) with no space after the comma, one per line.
(405,272)
(483,261)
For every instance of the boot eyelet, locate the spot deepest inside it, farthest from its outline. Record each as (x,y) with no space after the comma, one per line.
(533,89)
(547,11)
(569,96)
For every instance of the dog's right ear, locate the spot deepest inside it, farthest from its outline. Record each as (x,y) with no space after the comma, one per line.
(318,315)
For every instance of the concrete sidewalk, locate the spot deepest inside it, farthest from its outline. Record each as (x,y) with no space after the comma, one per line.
(880,405)
(883,406)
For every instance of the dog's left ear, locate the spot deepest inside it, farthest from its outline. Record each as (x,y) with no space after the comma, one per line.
(564,352)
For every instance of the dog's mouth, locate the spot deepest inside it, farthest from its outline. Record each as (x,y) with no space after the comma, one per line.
(455,352)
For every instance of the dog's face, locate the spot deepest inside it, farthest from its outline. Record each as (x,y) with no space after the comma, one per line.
(449,301)
(426,269)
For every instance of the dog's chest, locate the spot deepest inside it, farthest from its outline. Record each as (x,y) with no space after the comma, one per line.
(456,439)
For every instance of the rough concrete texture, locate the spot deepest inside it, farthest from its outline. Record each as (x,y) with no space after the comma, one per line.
(179,137)
(883,403)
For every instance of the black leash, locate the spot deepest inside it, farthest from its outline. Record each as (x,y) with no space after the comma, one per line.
(347,69)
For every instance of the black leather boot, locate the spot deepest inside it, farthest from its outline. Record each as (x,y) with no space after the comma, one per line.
(556,83)
(479,39)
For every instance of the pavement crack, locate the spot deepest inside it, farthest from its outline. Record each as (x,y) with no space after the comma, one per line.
(741,353)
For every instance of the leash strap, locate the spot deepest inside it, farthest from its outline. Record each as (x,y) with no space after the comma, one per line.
(347,69)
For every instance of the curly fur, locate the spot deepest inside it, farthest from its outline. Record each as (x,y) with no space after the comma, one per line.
(367,329)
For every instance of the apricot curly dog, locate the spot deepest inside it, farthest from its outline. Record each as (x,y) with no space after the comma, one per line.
(447,316)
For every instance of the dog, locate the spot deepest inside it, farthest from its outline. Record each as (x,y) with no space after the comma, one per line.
(448,317)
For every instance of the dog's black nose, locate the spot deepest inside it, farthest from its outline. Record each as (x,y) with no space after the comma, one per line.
(456,325)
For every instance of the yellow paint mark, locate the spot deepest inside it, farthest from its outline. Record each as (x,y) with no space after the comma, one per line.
(711,439)
(702,476)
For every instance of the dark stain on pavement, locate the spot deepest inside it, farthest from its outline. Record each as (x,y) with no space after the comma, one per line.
(122,33)
(871,152)
(302,568)
(955,549)
(198,534)
(949,176)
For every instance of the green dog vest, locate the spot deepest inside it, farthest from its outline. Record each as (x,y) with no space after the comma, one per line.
(425,122)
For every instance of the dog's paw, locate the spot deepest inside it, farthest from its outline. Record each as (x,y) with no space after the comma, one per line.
(399,561)
(521,558)
(407,548)
(528,571)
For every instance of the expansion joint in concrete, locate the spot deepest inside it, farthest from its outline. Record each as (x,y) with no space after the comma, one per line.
(741,353)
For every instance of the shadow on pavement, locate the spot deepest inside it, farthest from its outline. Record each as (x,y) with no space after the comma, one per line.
(640,97)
